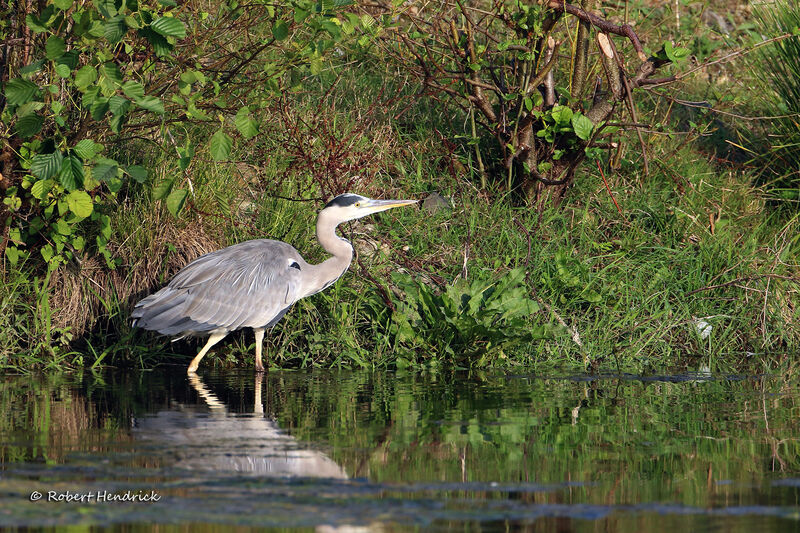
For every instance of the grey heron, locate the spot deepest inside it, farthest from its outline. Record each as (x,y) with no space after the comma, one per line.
(254,283)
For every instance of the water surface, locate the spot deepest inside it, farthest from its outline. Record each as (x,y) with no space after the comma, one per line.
(383,452)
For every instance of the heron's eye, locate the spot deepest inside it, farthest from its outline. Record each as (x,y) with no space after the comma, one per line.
(358,204)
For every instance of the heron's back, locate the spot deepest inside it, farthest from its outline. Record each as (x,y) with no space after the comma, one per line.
(250,284)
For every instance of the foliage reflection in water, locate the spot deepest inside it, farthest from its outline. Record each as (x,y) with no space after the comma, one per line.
(387,451)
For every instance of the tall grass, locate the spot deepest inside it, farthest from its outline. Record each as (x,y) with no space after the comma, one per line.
(778,68)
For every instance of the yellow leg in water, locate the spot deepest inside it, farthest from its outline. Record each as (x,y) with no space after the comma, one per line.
(212,340)
(259,344)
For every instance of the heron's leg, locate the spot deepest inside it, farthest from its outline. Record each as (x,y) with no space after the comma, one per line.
(212,340)
(259,345)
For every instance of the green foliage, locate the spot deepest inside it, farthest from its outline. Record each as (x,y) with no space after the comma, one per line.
(470,323)
(778,68)
(98,70)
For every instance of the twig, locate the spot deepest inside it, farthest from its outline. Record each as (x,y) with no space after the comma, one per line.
(625,30)
(602,174)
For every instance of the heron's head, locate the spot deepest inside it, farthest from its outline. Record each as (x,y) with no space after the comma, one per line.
(349,206)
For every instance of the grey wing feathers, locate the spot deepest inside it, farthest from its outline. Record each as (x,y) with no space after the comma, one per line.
(250,284)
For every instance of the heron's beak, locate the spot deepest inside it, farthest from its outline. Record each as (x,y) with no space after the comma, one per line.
(376,206)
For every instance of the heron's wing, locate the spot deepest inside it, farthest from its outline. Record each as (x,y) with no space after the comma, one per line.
(246,285)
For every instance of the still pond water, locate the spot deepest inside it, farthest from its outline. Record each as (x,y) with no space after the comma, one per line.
(336,451)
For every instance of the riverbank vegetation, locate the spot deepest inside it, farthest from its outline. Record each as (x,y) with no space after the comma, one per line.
(598,199)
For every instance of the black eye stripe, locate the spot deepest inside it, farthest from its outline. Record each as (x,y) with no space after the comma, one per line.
(344,200)
(295,265)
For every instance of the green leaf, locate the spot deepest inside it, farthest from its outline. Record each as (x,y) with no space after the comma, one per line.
(160,45)
(112,72)
(69,59)
(138,173)
(280,30)
(85,76)
(118,105)
(63,71)
(13,254)
(105,170)
(161,190)
(245,123)
(220,146)
(169,27)
(19,91)
(30,68)
(29,125)
(133,90)
(175,201)
(115,29)
(562,114)
(151,103)
(71,175)
(37,24)
(582,125)
(40,189)
(528,103)
(80,203)
(46,166)
(63,4)
(87,149)
(54,47)
(47,252)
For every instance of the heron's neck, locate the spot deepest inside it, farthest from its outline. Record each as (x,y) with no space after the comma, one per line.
(332,268)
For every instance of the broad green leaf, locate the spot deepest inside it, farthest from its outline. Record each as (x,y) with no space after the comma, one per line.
(245,123)
(161,190)
(133,89)
(582,125)
(63,228)
(280,30)
(112,72)
(30,68)
(85,76)
(169,27)
(115,29)
(40,188)
(46,166)
(175,201)
(69,59)
(151,103)
(138,173)
(29,125)
(160,45)
(80,203)
(63,4)
(13,254)
(562,114)
(118,105)
(54,47)
(63,71)
(19,91)
(220,146)
(47,252)
(71,175)
(116,122)
(99,108)
(87,149)
(105,170)
(37,24)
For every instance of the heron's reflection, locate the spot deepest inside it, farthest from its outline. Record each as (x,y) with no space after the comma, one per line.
(212,438)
